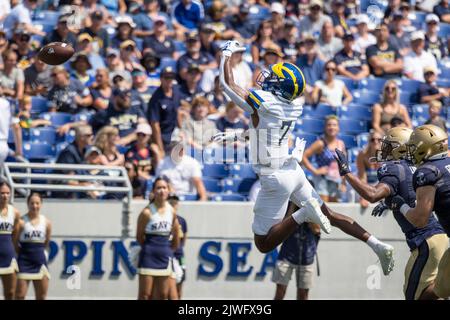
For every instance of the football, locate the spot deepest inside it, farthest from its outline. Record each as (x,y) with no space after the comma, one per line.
(56,53)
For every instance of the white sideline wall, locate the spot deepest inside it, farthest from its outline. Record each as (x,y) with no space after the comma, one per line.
(348,267)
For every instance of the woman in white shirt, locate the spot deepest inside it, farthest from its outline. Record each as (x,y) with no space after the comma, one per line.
(331,91)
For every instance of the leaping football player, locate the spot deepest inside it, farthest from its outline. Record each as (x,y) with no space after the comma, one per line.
(273,117)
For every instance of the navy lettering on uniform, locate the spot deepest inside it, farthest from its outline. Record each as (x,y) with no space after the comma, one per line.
(5,226)
(398,176)
(437,173)
(33,234)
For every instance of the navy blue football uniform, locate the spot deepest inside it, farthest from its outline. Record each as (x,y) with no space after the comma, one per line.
(437,173)
(398,176)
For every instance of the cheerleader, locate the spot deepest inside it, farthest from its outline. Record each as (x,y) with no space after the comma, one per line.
(9,229)
(34,230)
(156,223)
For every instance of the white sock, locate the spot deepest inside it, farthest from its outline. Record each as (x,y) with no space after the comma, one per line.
(299,216)
(373,242)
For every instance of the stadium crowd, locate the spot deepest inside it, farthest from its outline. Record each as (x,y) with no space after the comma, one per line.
(145,78)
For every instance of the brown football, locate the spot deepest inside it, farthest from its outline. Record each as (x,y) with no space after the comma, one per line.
(56,53)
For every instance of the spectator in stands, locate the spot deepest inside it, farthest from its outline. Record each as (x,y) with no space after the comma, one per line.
(124,112)
(125,27)
(101,90)
(11,77)
(74,153)
(20,15)
(141,87)
(161,44)
(405,10)
(388,108)
(277,13)
(312,64)
(162,108)
(190,87)
(434,110)
(84,44)
(241,23)
(338,16)
(67,94)
(289,41)
(5,9)
(272,55)
(106,141)
(81,65)
(146,18)
(3,46)
(263,40)
(364,38)
(183,171)
(98,32)
(331,91)
(144,154)
(418,59)
(297,256)
(429,91)
(216,96)
(23,48)
(433,43)
(313,22)
(216,19)
(349,62)
(198,130)
(91,6)
(399,38)
(61,33)
(130,55)
(24,115)
(365,164)
(37,78)
(120,79)
(194,55)
(138,184)
(242,73)
(207,40)
(393,6)
(151,62)
(327,181)
(187,15)
(233,119)
(384,59)
(442,10)
(113,61)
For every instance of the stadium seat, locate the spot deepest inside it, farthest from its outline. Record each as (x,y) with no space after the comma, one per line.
(444,83)
(321,111)
(38,151)
(168,62)
(46,15)
(57,118)
(212,185)
(352,155)
(215,170)
(83,116)
(227,197)
(420,110)
(38,105)
(237,185)
(373,84)
(188,197)
(258,12)
(444,30)
(366,97)
(418,16)
(180,46)
(362,139)
(139,43)
(408,98)
(349,83)
(309,137)
(350,141)
(354,111)
(242,171)
(408,85)
(310,125)
(348,126)
(43,135)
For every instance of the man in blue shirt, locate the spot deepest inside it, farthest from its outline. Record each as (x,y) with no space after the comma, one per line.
(310,63)
(187,14)
(163,108)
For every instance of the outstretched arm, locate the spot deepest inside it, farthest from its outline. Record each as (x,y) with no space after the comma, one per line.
(237,94)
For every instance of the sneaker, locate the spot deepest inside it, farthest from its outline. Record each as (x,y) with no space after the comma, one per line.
(314,214)
(385,253)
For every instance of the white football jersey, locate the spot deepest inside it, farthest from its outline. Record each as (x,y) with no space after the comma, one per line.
(269,138)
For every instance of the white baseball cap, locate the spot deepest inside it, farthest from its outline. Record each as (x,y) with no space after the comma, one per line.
(144,128)
(277,8)
(432,17)
(363,18)
(416,35)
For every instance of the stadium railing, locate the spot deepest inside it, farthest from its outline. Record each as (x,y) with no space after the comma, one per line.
(52,177)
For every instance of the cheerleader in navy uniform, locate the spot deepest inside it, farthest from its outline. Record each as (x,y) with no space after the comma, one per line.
(9,228)
(156,223)
(34,237)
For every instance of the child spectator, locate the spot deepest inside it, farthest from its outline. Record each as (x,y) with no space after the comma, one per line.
(24,115)
(434,110)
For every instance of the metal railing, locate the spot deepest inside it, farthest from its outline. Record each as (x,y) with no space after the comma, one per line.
(20,176)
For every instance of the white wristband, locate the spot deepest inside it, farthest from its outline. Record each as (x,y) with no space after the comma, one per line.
(404,209)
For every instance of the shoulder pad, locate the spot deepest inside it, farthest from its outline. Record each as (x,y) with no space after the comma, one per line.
(387,169)
(426,175)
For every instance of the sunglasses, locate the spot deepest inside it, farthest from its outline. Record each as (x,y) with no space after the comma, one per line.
(330,69)
(25,38)
(53,75)
(87,135)
(391,88)
(375,140)
(129,48)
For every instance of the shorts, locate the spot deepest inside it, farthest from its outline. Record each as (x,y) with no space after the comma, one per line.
(283,272)
(286,184)
(442,283)
(179,270)
(325,187)
(422,267)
